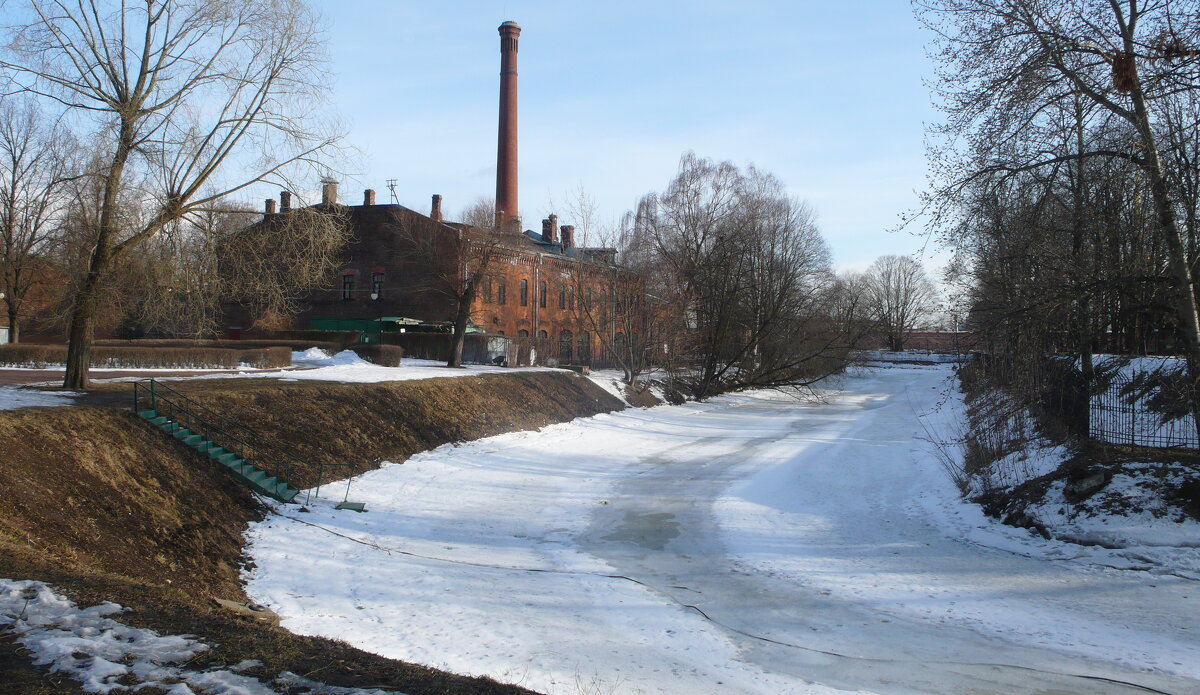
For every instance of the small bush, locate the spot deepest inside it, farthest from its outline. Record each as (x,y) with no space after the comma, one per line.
(382,355)
(105,356)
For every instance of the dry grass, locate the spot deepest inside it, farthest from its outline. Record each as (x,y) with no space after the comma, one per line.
(105,507)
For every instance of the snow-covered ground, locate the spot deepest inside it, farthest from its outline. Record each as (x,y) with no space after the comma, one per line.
(104,655)
(751,544)
(13,397)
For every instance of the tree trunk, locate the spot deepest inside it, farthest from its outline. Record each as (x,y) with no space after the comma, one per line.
(461,317)
(1187,310)
(14,323)
(83,320)
(79,347)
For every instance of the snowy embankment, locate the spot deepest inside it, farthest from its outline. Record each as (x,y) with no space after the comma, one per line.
(1137,519)
(750,544)
(103,655)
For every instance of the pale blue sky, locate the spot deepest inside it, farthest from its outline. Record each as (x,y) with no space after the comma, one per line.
(828,96)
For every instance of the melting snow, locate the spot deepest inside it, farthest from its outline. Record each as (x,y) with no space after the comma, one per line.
(105,656)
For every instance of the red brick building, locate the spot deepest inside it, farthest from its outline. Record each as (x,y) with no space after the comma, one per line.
(404,264)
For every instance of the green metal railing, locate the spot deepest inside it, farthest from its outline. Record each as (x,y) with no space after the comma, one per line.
(150,394)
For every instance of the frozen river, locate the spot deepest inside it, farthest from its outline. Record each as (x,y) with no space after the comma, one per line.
(752,544)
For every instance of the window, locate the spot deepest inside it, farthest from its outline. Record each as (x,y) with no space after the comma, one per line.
(542,294)
(376,285)
(501,291)
(487,289)
(524,292)
(522,333)
(499,332)
(564,346)
(543,334)
(571,298)
(562,297)
(348,286)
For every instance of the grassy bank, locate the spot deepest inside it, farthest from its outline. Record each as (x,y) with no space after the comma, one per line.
(107,508)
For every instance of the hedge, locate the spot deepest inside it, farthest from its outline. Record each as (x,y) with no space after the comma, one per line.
(343,339)
(299,345)
(382,355)
(21,355)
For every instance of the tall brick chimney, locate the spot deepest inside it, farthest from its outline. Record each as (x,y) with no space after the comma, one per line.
(435,210)
(506,148)
(270,209)
(369,196)
(568,236)
(285,201)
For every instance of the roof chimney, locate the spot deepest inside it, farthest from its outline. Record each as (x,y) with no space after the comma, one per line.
(546,229)
(328,191)
(506,148)
(568,236)
(270,207)
(435,210)
(553,228)
(369,196)
(285,201)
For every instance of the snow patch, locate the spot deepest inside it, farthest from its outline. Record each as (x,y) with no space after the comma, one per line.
(105,656)
(14,397)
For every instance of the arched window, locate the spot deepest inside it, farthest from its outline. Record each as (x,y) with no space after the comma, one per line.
(522,333)
(543,334)
(542,294)
(564,346)
(619,343)
(524,292)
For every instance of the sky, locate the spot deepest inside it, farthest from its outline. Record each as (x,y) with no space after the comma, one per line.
(828,96)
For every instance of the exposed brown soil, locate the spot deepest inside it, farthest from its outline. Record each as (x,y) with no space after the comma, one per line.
(106,508)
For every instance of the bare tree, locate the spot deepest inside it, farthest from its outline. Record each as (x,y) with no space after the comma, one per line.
(192,100)
(481,213)
(746,267)
(266,267)
(1006,64)
(900,294)
(35,163)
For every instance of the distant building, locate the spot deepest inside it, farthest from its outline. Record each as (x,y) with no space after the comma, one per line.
(403,267)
